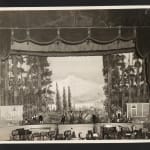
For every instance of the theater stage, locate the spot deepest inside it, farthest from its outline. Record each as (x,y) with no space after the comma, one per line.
(5,131)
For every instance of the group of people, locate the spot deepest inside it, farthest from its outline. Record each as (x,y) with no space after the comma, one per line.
(34,120)
(71,117)
(120,118)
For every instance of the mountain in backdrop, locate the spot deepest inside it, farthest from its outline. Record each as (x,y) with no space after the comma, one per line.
(82,91)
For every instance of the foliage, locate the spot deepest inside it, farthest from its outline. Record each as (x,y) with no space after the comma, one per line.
(65,108)
(69,99)
(58,100)
(30,82)
(124,81)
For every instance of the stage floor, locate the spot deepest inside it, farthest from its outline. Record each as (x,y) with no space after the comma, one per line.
(5,130)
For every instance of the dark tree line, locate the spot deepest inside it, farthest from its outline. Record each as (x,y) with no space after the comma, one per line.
(29,83)
(124,81)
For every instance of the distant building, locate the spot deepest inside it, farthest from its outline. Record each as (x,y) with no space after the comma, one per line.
(83,106)
(11,113)
(138,110)
(52,107)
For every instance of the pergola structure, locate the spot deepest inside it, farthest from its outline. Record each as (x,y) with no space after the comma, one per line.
(69,33)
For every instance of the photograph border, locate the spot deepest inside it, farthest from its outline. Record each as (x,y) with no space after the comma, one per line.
(75,8)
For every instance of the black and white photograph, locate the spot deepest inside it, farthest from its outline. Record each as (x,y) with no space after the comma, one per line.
(75,75)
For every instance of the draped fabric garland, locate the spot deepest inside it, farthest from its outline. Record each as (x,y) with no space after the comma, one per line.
(72,36)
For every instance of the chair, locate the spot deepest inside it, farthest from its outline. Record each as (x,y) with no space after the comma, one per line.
(52,135)
(44,135)
(36,135)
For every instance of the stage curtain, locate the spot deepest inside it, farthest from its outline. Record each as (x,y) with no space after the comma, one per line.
(143,48)
(127,34)
(20,35)
(73,35)
(37,36)
(44,36)
(5,42)
(105,35)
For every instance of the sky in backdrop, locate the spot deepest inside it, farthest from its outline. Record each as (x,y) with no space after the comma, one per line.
(86,67)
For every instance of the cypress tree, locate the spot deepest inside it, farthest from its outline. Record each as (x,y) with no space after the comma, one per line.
(58,99)
(64,100)
(69,99)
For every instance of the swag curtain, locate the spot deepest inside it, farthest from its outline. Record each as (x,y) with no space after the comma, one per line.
(5,43)
(74,36)
(143,48)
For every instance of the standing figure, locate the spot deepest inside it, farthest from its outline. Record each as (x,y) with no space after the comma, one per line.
(94,118)
(63,118)
(34,118)
(80,117)
(41,119)
(71,117)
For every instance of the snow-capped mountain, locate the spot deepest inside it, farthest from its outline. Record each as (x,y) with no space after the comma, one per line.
(81,90)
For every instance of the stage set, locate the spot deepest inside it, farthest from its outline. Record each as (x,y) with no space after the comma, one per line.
(63,33)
